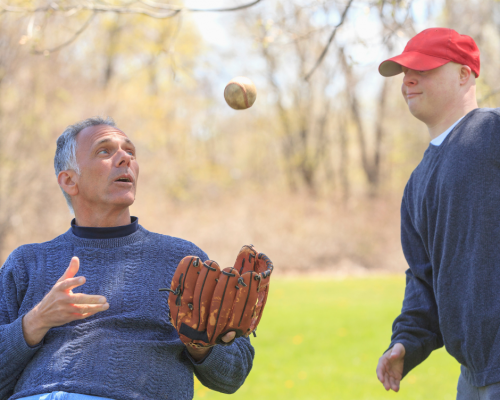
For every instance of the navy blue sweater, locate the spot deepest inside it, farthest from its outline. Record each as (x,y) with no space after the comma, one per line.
(450,232)
(130,351)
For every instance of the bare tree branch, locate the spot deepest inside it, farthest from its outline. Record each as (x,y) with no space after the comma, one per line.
(151,9)
(156,10)
(297,38)
(170,50)
(91,7)
(153,4)
(226,9)
(332,36)
(356,114)
(71,40)
(392,26)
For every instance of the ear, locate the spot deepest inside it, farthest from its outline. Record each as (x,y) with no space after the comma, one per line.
(68,181)
(465,73)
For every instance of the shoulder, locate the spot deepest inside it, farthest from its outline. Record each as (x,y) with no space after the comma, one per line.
(15,267)
(478,134)
(482,117)
(30,251)
(486,113)
(23,258)
(175,247)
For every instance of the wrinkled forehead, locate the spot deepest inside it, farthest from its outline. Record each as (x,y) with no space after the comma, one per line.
(93,135)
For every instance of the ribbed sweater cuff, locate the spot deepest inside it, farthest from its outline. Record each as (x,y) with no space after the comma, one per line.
(215,361)
(20,351)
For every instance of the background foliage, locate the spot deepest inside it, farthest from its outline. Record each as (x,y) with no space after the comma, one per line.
(314,171)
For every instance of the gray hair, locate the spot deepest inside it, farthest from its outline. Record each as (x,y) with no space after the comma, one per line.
(65,157)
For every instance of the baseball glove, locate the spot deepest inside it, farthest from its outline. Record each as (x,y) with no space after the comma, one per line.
(206,302)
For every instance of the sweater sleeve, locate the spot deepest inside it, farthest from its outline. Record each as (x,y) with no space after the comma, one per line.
(15,353)
(226,367)
(417,327)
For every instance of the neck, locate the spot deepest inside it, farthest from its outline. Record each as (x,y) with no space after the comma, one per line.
(453,113)
(103,219)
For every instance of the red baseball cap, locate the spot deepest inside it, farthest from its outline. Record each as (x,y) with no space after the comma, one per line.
(432,48)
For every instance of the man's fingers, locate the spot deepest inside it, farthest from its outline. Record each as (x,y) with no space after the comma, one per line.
(228,336)
(89,308)
(396,374)
(86,315)
(72,283)
(394,383)
(81,298)
(380,374)
(72,269)
(387,381)
(398,351)
(388,369)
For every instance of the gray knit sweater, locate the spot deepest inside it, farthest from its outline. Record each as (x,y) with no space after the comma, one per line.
(130,351)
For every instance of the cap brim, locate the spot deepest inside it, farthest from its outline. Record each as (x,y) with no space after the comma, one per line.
(411,60)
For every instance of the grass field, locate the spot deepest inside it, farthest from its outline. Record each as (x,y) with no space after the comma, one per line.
(321,339)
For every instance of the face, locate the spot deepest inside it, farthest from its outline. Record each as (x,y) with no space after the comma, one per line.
(108,167)
(430,93)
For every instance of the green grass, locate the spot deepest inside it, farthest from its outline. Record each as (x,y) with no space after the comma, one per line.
(321,339)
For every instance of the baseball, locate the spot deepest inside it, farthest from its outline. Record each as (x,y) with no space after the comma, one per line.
(240,93)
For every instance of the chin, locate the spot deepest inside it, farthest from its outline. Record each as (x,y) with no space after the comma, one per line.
(416,112)
(124,201)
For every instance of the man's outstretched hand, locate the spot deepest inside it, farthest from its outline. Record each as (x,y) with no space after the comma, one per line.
(199,353)
(390,367)
(61,306)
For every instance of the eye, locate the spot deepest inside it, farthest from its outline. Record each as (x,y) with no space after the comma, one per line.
(103,151)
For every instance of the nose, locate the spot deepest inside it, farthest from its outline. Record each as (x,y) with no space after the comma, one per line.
(410,78)
(124,158)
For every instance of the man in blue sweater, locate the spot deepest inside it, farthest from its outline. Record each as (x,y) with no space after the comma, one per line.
(81,316)
(450,219)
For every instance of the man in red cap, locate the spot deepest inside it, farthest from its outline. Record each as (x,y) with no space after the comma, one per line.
(450,219)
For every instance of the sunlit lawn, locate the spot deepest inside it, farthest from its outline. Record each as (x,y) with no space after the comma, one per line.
(321,339)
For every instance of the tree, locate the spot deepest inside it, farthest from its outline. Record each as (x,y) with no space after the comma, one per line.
(74,9)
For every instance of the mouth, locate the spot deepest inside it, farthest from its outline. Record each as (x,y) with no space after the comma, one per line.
(411,95)
(125,179)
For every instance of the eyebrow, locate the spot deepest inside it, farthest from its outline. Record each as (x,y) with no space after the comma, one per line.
(127,140)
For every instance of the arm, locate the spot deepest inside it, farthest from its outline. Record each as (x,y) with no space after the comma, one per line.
(417,327)
(22,335)
(15,353)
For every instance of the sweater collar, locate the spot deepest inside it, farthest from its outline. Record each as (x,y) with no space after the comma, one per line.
(137,237)
(113,232)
